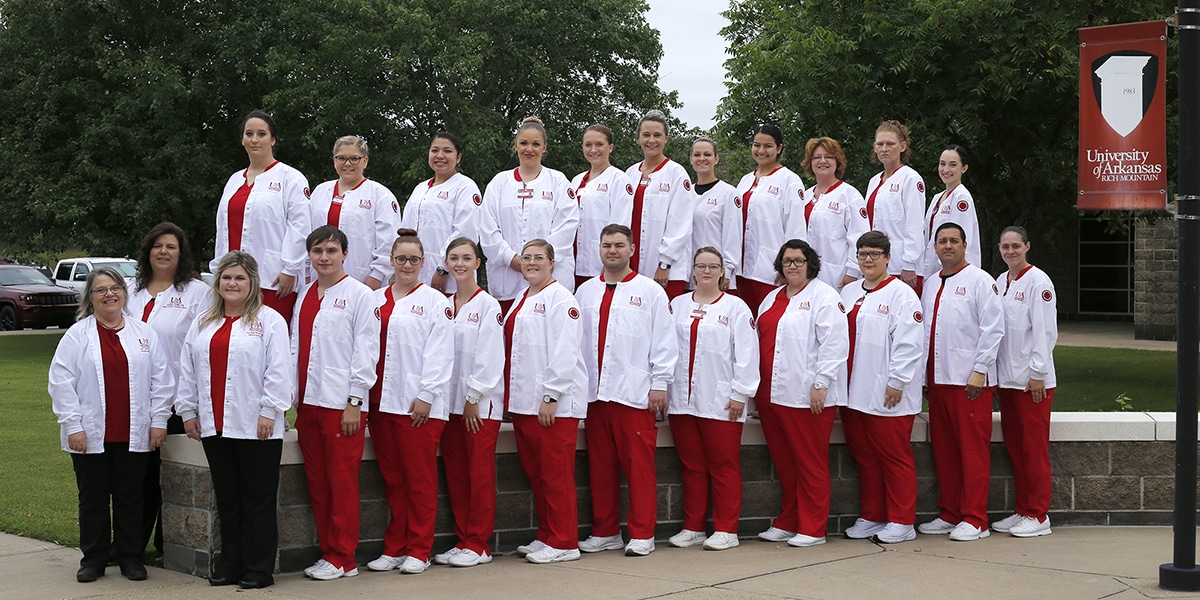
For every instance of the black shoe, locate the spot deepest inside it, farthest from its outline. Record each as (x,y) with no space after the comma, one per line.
(254,583)
(89,574)
(222,580)
(134,571)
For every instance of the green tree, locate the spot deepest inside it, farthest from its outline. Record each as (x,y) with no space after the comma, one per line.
(117,114)
(998,76)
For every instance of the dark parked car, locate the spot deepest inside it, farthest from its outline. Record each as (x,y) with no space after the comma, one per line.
(30,299)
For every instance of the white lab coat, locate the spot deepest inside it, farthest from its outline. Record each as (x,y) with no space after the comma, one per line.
(369,217)
(811,346)
(516,212)
(478,356)
(898,209)
(837,220)
(275,225)
(721,358)
(173,312)
(666,217)
(440,214)
(76,384)
(774,215)
(970,324)
(345,344)
(418,358)
(259,376)
(717,222)
(959,208)
(602,201)
(546,358)
(887,347)
(640,349)
(1030,329)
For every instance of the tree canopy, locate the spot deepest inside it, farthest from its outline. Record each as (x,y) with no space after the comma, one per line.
(118,114)
(997,76)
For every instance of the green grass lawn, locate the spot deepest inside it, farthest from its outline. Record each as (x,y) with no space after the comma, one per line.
(37,485)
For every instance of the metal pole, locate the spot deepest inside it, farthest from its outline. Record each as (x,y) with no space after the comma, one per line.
(1182,574)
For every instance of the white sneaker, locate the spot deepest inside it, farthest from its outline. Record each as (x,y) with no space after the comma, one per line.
(1003,525)
(552,555)
(600,544)
(413,565)
(317,565)
(444,558)
(894,533)
(351,573)
(804,541)
(328,572)
(687,538)
(639,547)
(863,529)
(1030,527)
(530,548)
(469,558)
(386,563)
(775,534)
(936,527)
(721,540)
(966,532)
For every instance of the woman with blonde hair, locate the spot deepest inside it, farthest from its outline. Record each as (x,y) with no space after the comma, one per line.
(896,201)
(235,385)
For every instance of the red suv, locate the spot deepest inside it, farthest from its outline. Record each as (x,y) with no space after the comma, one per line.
(30,299)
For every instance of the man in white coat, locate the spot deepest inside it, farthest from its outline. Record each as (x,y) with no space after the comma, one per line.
(630,352)
(964,322)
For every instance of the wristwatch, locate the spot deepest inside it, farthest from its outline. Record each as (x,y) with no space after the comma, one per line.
(354,401)
(663,265)
(442,270)
(472,400)
(549,399)
(819,386)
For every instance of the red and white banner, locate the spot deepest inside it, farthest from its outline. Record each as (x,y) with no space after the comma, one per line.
(1122,117)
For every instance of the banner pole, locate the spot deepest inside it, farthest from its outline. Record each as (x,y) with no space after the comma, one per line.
(1182,574)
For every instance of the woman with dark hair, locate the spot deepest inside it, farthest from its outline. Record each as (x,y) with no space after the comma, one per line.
(770,200)
(409,405)
(834,215)
(955,204)
(545,385)
(110,386)
(717,222)
(604,195)
(476,401)
(1027,381)
(168,295)
(526,203)
(442,208)
(803,346)
(716,374)
(896,201)
(363,208)
(662,209)
(264,210)
(234,388)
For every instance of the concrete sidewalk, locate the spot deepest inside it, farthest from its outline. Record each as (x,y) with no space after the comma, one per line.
(1118,563)
(1105,335)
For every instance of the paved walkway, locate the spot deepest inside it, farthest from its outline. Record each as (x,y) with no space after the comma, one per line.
(1105,335)
(1117,563)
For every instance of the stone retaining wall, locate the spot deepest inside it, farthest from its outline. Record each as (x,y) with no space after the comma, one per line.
(1109,469)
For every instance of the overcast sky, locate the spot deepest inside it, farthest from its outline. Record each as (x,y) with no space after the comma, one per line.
(693,55)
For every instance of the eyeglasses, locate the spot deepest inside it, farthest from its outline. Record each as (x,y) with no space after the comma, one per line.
(820,157)
(114,290)
(354,160)
(536,258)
(873,255)
(415,260)
(794,262)
(699,267)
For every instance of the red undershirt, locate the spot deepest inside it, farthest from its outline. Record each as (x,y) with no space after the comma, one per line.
(697,316)
(510,326)
(746,208)
(768,323)
(237,210)
(149,309)
(218,362)
(933,324)
(852,318)
(639,200)
(309,308)
(871,203)
(116,385)
(335,207)
(605,306)
(808,208)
